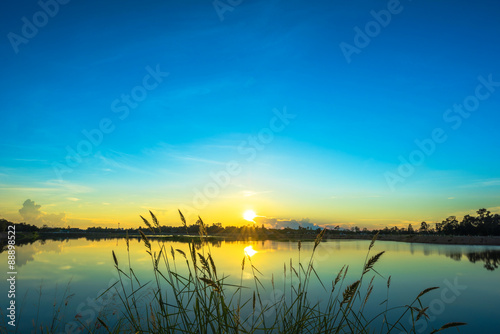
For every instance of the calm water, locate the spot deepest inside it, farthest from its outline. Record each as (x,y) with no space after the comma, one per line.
(468,272)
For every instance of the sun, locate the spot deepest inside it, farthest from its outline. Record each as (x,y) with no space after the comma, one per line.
(249,215)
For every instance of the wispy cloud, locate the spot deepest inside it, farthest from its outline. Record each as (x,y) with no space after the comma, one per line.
(355,196)
(179,153)
(120,160)
(49,186)
(197,159)
(491,182)
(29,160)
(67,186)
(249,193)
(483,183)
(26,189)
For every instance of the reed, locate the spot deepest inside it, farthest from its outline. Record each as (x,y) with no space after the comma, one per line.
(186,294)
(200,301)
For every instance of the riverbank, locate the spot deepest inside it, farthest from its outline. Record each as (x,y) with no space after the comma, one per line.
(428,239)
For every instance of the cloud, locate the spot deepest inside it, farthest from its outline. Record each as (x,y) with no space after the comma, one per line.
(490,183)
(250,193)
(30,211)
(32,214)
(119,161)
(355,196)
(282,223)
(50,185)
(483,183)
(71,188)
(30,251)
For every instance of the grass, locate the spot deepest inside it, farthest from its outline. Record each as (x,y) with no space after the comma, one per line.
(201,301)
(187,294)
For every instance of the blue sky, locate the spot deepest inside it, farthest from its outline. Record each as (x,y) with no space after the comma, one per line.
(329,163)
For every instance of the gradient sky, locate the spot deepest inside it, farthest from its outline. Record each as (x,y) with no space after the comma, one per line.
(354,117)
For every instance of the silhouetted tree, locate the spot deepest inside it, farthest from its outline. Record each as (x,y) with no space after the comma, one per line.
(3,225)
(450,225)
(424,227)
(410,229)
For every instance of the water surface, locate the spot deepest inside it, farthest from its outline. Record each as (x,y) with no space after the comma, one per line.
(50,271)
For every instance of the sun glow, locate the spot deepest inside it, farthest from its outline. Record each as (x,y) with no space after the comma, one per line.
(249,215)
(250,251)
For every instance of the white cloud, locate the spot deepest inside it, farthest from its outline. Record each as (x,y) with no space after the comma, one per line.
(282,223)
(32,214)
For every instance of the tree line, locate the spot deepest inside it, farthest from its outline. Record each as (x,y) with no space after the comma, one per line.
(482,224)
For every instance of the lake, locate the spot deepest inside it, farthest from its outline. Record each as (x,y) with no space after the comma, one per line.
(50,271)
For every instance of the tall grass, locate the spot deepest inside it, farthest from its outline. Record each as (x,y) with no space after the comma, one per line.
(188,295)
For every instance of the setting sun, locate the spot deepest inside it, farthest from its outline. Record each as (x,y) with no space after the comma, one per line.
(250,251)
(249,215)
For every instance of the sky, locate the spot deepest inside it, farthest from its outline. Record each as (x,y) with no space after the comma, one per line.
(366,113)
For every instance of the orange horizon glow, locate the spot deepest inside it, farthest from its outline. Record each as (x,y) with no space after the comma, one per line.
(87,212)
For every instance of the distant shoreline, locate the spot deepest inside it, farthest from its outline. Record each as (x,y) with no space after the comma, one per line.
(429,239)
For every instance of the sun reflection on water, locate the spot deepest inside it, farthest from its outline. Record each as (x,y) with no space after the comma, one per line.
(250,251)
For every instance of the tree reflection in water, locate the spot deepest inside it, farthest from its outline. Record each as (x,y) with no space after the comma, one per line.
(491,258)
